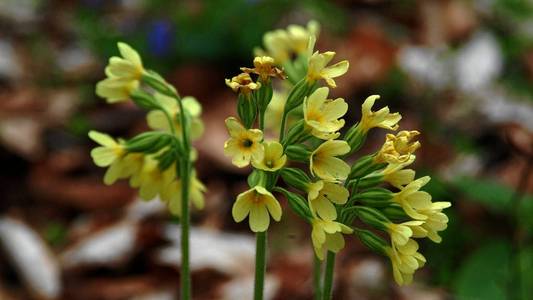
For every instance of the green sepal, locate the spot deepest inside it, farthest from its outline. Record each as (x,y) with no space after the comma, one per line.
(371,240)
(143,99)
(297,134)
(355,137)
(395,213)
(158,83)
(372,216)
(375,197)
(298,152)
(263,96)
(148,142)
(297,203)
(369,181)
(246,109)
(297,94)
(364,166)
(296,178)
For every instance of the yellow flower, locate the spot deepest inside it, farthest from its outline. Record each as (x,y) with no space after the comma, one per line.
(317,68)
(400,233)
(272,159)
(264,67)
(151,180)
(258,203)
(157,119)
(123,75)
(414,201)
(123,168)
(325,165)
(436,221)
(275,109)
(322,114)
(398,148)
(321,196)
(171,194)
(381,118)
(243,143)
(299,36)
(327,236)
(405,260)
(396,175)
(243,83)
(109,152)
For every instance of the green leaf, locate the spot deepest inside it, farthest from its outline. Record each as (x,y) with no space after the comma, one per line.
(484,274)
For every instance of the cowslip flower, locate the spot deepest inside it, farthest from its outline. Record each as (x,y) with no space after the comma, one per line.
(264,67)
(275,108)
(243,143)
(109,152)
(243,83)
(272,159)
(277,46)
(405,260)
(381,118)
(400,233)
(322,114)
(258,204)
(171,194)
(151,180)
(318,69)
(412,200)
(322,195)
(123,75)
(326,235)
(436,221)
(157,119)
(398,148)
(396,175)
(299,36)
(324,163)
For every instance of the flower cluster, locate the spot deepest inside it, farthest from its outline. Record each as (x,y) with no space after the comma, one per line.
(153,161)
(334,190)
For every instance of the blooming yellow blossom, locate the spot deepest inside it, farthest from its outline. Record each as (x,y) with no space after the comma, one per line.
(151,180)
(381,118)
(264,67)
(243,143)
(318,69)
(436,221)
(398,148)
(272,159)
(396,175)
(157,119)
(412,200)
(325,165)
(275,108)
(110,150)
(326,235)
(321,196)
(322,114)
(299,36)
(171,194)
(123,168)
(124,74)
(258,203)
(405,260)
(243,83)
(400,233)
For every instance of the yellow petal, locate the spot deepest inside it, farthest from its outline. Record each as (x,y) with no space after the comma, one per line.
(259,218)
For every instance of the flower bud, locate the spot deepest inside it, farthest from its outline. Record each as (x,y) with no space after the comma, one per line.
(372,241)
(295,178)
(257,177)
(247,110)
(298,153)
(297,203)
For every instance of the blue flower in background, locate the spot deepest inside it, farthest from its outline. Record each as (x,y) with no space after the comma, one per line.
(160,37)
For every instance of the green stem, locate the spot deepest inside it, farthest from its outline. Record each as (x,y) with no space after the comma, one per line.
(317,272)
(328,276)
(260,265)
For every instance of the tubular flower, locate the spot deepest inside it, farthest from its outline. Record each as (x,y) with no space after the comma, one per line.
(381,118)
(110,151)
(400,233)
(123,75)
(258,203)
(299,36)
(327,236)
(243,143)
(273,158)
(318,69)
(151,180)
(398,148)
(436,221)
(395,175)
(171,194)
(274,111)
(405,261)
(243,83)
(128,166)
(413,201)
(321,196)
(264,67)
(325,165)
(322,114)
(157,119)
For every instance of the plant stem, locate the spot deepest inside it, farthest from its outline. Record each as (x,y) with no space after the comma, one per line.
(260,265)
(317,272)
(328,276)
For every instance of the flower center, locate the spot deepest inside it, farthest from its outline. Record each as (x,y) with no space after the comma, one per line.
(247,143)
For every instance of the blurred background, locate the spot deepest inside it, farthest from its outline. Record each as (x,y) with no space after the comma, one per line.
(461,72)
